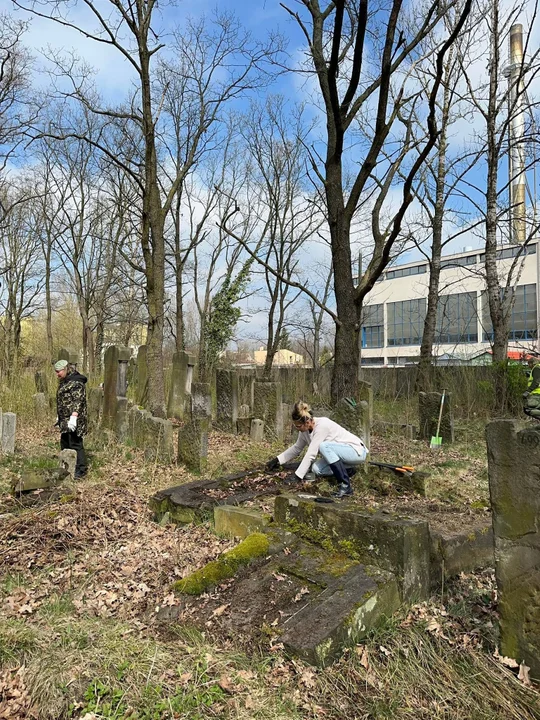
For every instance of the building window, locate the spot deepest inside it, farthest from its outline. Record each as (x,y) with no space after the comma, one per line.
(512,252)
(523,322)
(406,322)
(373,326)
(460,261)
(457,318)
(405,272)
(371,361)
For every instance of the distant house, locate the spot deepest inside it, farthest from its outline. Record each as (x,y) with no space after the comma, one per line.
(281,358)
(514,356)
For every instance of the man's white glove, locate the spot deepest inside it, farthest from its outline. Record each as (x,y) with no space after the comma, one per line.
(72,423)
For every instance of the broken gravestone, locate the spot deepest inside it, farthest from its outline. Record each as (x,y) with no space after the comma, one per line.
(68,460)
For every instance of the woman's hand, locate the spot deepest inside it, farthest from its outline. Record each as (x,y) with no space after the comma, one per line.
(272,464)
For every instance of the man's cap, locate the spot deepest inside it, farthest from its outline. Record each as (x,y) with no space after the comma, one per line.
(60,365)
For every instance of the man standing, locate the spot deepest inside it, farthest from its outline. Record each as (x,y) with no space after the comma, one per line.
(72,412)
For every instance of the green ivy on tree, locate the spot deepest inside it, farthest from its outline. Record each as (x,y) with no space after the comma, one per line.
(224,316)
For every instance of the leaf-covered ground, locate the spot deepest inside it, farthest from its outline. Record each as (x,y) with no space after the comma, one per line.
(82,574)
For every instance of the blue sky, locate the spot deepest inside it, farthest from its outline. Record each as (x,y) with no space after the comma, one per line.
(259,17)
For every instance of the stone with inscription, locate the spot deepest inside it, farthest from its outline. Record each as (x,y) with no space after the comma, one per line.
(257,430)
(201,400)
(193,444)
(9,430)
(226,400)
(178,404)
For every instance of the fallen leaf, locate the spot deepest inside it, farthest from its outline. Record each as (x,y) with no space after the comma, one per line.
(362,651)
(220,610)
(508,662)
(225,684)
(523,674)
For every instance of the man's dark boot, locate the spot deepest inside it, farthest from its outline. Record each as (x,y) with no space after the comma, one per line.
(342,476)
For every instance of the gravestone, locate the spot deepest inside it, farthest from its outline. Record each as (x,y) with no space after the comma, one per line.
(354,417)
(95,406)
(429,405)
(201,400)
(193,444)
(158,439)
(122,425)
(226,400)
(67,459)
(267,405)
(42,383)
(9,429)
(151,434)
(257,430)
(181,379)
(514,485)
(41,405)
(142,377)
(115,383)
(286,412)
(246,380)
(70,355)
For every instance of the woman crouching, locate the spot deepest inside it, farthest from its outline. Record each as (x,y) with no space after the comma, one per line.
(341,451)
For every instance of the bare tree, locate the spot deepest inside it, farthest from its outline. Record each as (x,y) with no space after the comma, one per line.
(354,75)
(275,137)
(22,275)
(129,26)
(497,106)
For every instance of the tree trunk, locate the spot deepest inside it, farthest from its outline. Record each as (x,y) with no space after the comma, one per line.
(153,246)
(98,348)
(48,306)
(346,346)
(180,344)
(430,324)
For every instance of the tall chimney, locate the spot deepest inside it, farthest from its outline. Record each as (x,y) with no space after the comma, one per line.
(517,131)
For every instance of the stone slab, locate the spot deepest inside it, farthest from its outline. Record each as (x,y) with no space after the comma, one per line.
(39,480)
(314,600)
(342,615)
(196,500)
(452,554)
(238,522)
(399,545)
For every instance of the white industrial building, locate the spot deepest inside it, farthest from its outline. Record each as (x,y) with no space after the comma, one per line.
(394,312)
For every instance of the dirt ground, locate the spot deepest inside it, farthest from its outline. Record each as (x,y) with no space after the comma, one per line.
(85,588)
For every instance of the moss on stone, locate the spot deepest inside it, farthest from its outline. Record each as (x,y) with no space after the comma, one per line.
(254,546)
